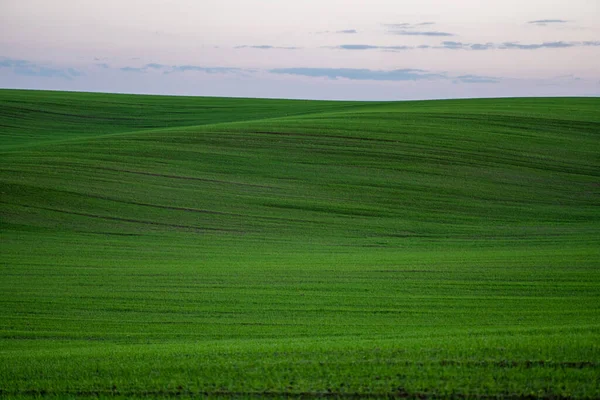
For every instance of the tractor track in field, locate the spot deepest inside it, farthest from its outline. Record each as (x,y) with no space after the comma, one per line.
(131,220)
(187,178)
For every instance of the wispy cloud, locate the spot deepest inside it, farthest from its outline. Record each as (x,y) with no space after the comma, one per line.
(481,46)
(476,79)
(356,74)
(370,47)
(267,47)
(168,69)
(208,70)
(359,74)
(408,29)
(453,45)
(155,66)
(512,45)
(103,65)
(420,33)
(535,46)
(343,32)
(397,75)
(407,25)
(28,68)
(544,22)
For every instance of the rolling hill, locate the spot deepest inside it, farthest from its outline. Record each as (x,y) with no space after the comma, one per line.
(175,246)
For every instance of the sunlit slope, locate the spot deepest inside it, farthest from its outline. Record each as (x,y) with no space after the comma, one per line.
(509,168)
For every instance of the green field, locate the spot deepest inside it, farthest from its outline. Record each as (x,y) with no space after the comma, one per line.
(172,247)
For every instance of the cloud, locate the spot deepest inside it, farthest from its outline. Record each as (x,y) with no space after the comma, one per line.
(512,45)
(103,65)
(420,33)
(476,79)
(28,68)
(208,70)
(166,69)
(408,29)
(544,22)
(396,48)
(357,47)
(398,75)
(481,46)
(359,74)
(453,45)
(370,47)
(267,47)
(155,66)
(535,46)
(466,46)
(343,32)
(355,74)
(406,25)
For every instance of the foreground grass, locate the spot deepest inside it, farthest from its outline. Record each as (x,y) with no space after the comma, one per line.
(300,249)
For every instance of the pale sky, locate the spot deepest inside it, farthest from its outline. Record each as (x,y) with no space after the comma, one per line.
(316,49)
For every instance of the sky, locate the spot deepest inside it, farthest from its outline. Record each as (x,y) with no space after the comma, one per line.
(307,49)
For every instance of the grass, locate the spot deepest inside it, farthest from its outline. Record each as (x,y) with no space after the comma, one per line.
(177,247)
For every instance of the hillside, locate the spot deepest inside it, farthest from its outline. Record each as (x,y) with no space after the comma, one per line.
(173,246)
